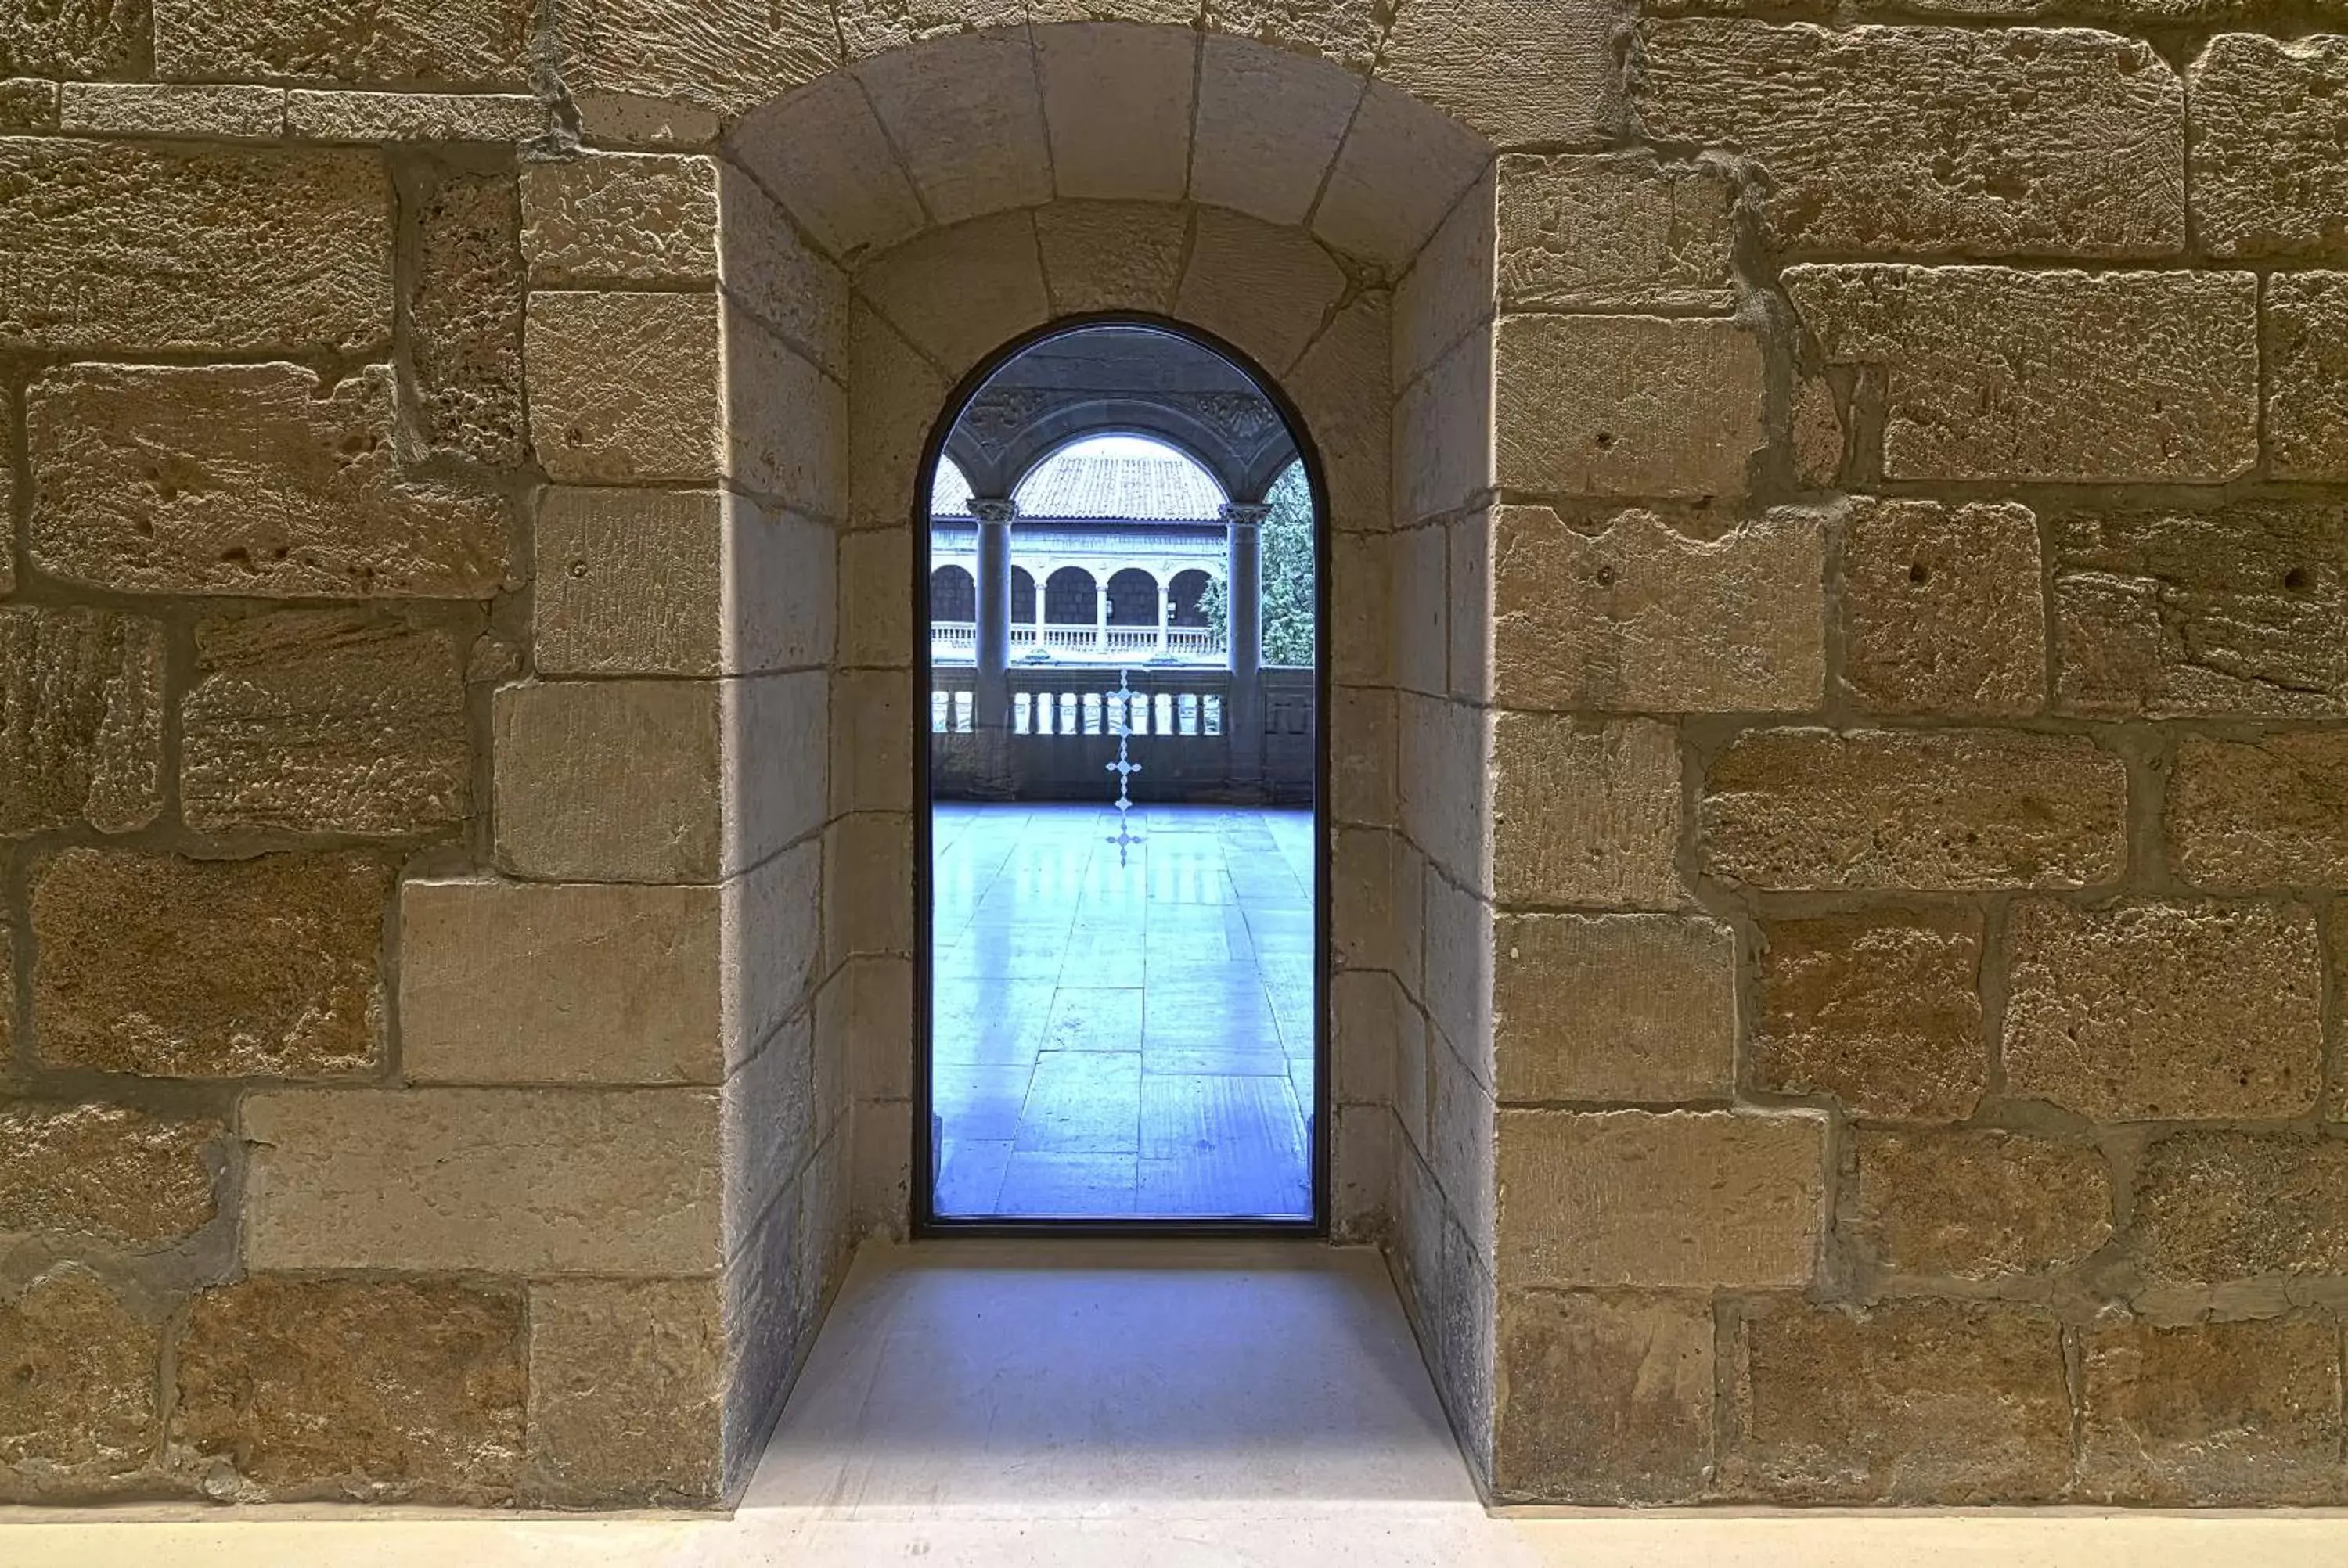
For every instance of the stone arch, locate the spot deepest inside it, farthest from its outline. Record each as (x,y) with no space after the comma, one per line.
(1132,598)
(1070,597)
(1025,603)
(954,595)
(1184,598)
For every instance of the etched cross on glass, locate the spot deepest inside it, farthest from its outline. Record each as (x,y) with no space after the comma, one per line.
(1120,708)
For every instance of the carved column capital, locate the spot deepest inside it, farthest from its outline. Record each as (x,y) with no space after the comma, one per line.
(992,510)
(1246,514)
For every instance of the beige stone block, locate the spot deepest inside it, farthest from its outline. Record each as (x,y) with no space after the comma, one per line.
(1626,405)
(1363,1048)
(209,968)
(624,388)
(1639,1009)
(1942,812)
(958,294)
(1479,61)
(2268,118)
(872,740)
(2214,1206)
(81,720)
(645,120)
(359,1390)
(872,27)
(1442,433)
(631,582)
(2266,811)
(1110,255)
(1943,612)
(778,750)
(1679,1200)
(326,721)
(2171,611)
(250,480)
(1996,374)
(868,893)
(79,1403)
(1118,102)
(413,116)
(768,1126)
(724,54)
(28,103)
(2216,1413)
(1455,936)
(1819,440)
(404,41)
(1643,617)
(2027,142)
(131,271)
(965,113)
(1913,1402)
(1421,631)
(107,1174)
(1340,387)
(465,318)
(508,1180)
(1444,769)
(786,422)
(1979,1205)
(1269,123)
(1398,174)
(1468,662)
(2307,369)
(1585,813)
(1266,291)
(1880,1009)
(143,109)
(876,616)
(70,40)
(823,152)
(1450,288)
(1363,754)
(895,397)
(2165,1011)
(617,781)
(620,219)
(1360,601)
(627,1379)
(1461,1127)
(770,270)
(1341,33)
(1614,231)
(1608,1399)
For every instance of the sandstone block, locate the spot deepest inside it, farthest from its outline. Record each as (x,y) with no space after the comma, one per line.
(777,275)
(1443,429)
(1585,813)
(1446,55)
(1918,1402)
(627,1380)
(636,120)
(2214,1414)
(822,151)
(610,780)
(465,318)
(1344,32)
(86,38)
(785,421)
(1609,1400)
(1626,405)
(81,720)
(1942,610)
(1642,618)
(2307,361)
(2268,118)
(116,245)
(966,115)
(1266,290)
(1269,123)
(1979,1205)
(1679,1200)
(370,1390)
(1118,103)
(105,1173)
(624,388)
(2213,1206)
(1881,1009)
(144,109)
(249,480)
(324,720)
(631,582)
(1614,231)
(955,291)
(413,116)
(2165,1011)
(1450,289)
(1932,140)
(1341,389)
(620,219)
(28,103)
(1636,1008)
(405,41)
(209,968)
(1996,374)
(876,619)
(1819,440)
(867,898)
(1110,255)
(1397,175)
(1947,811)
(78,1405)
(507,1180)
(2262,813)
(724,55)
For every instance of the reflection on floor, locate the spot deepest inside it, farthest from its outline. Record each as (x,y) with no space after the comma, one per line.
(1123,1032)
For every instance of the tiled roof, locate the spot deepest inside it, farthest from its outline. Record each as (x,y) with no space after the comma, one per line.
(1130,489)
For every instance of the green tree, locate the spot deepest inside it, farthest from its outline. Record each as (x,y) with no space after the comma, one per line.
(1285,541)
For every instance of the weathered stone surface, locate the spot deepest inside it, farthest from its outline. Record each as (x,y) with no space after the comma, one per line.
(1614,231)
(1341,388)
(966,113)
(2240,608)
(610,780)
(1445,56)
(1933,140)
(822,151)
(414,117)
(245,480)
(1398,173)
(1916,1402)
(778,276)
(1937,811)
(787,422)
(507,1180)
(78,1405)
(955,291)
(1992,373)
(1881,1009)
(106,1173)
(73,38)
(465,318)
(225,111)
(2213,1206)
(2214,1414)
(2268,117)
(27,104)
(1819,441)
(1110,255)
(2307,369)
(373,1390)
(620,219)
(1343,32)
(412,42)
(630,582)
(726,55)
(1269,123)
(1607,1398)
(1942,610)
(2266,812)
(1679,1200)
(209,968)
(1643,618)
(1442,433)
(1626,405)
(1584,812)
(2165,1011)
(1979,1205)
(82,719)
(624,388)
(1635,1007)
(635,120)
(1119,105)
(116,245)
(326,721)
(627,1380)
(1267,290)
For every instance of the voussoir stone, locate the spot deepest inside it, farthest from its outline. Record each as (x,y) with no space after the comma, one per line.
(1945,810)
(639,218)
(1626,405)
(2268,117)
(2211,1414)
(2213,1206)
(483,44)
(119,245)
(624,387)
(465,318)
(2266,812)
(1880,1009)
(1584,812)
(1978,1205)
(1932,140)
(82,719)
(1942,609)
(107,1174)
(371,1390)
(2165,1011)
(1609,1398)
(78,1405)
(627,1389)
(1635,1007)
(2307,369)
(209,968)
(1614,231)
(249,480)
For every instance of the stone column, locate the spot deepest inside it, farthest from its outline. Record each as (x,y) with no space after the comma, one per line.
(991,704)
(1243,602)
(1101,614)
(1165,608)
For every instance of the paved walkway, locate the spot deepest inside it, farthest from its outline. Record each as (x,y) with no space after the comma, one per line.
(1123,1031)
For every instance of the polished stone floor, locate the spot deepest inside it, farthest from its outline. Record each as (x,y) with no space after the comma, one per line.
(1122,1031)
